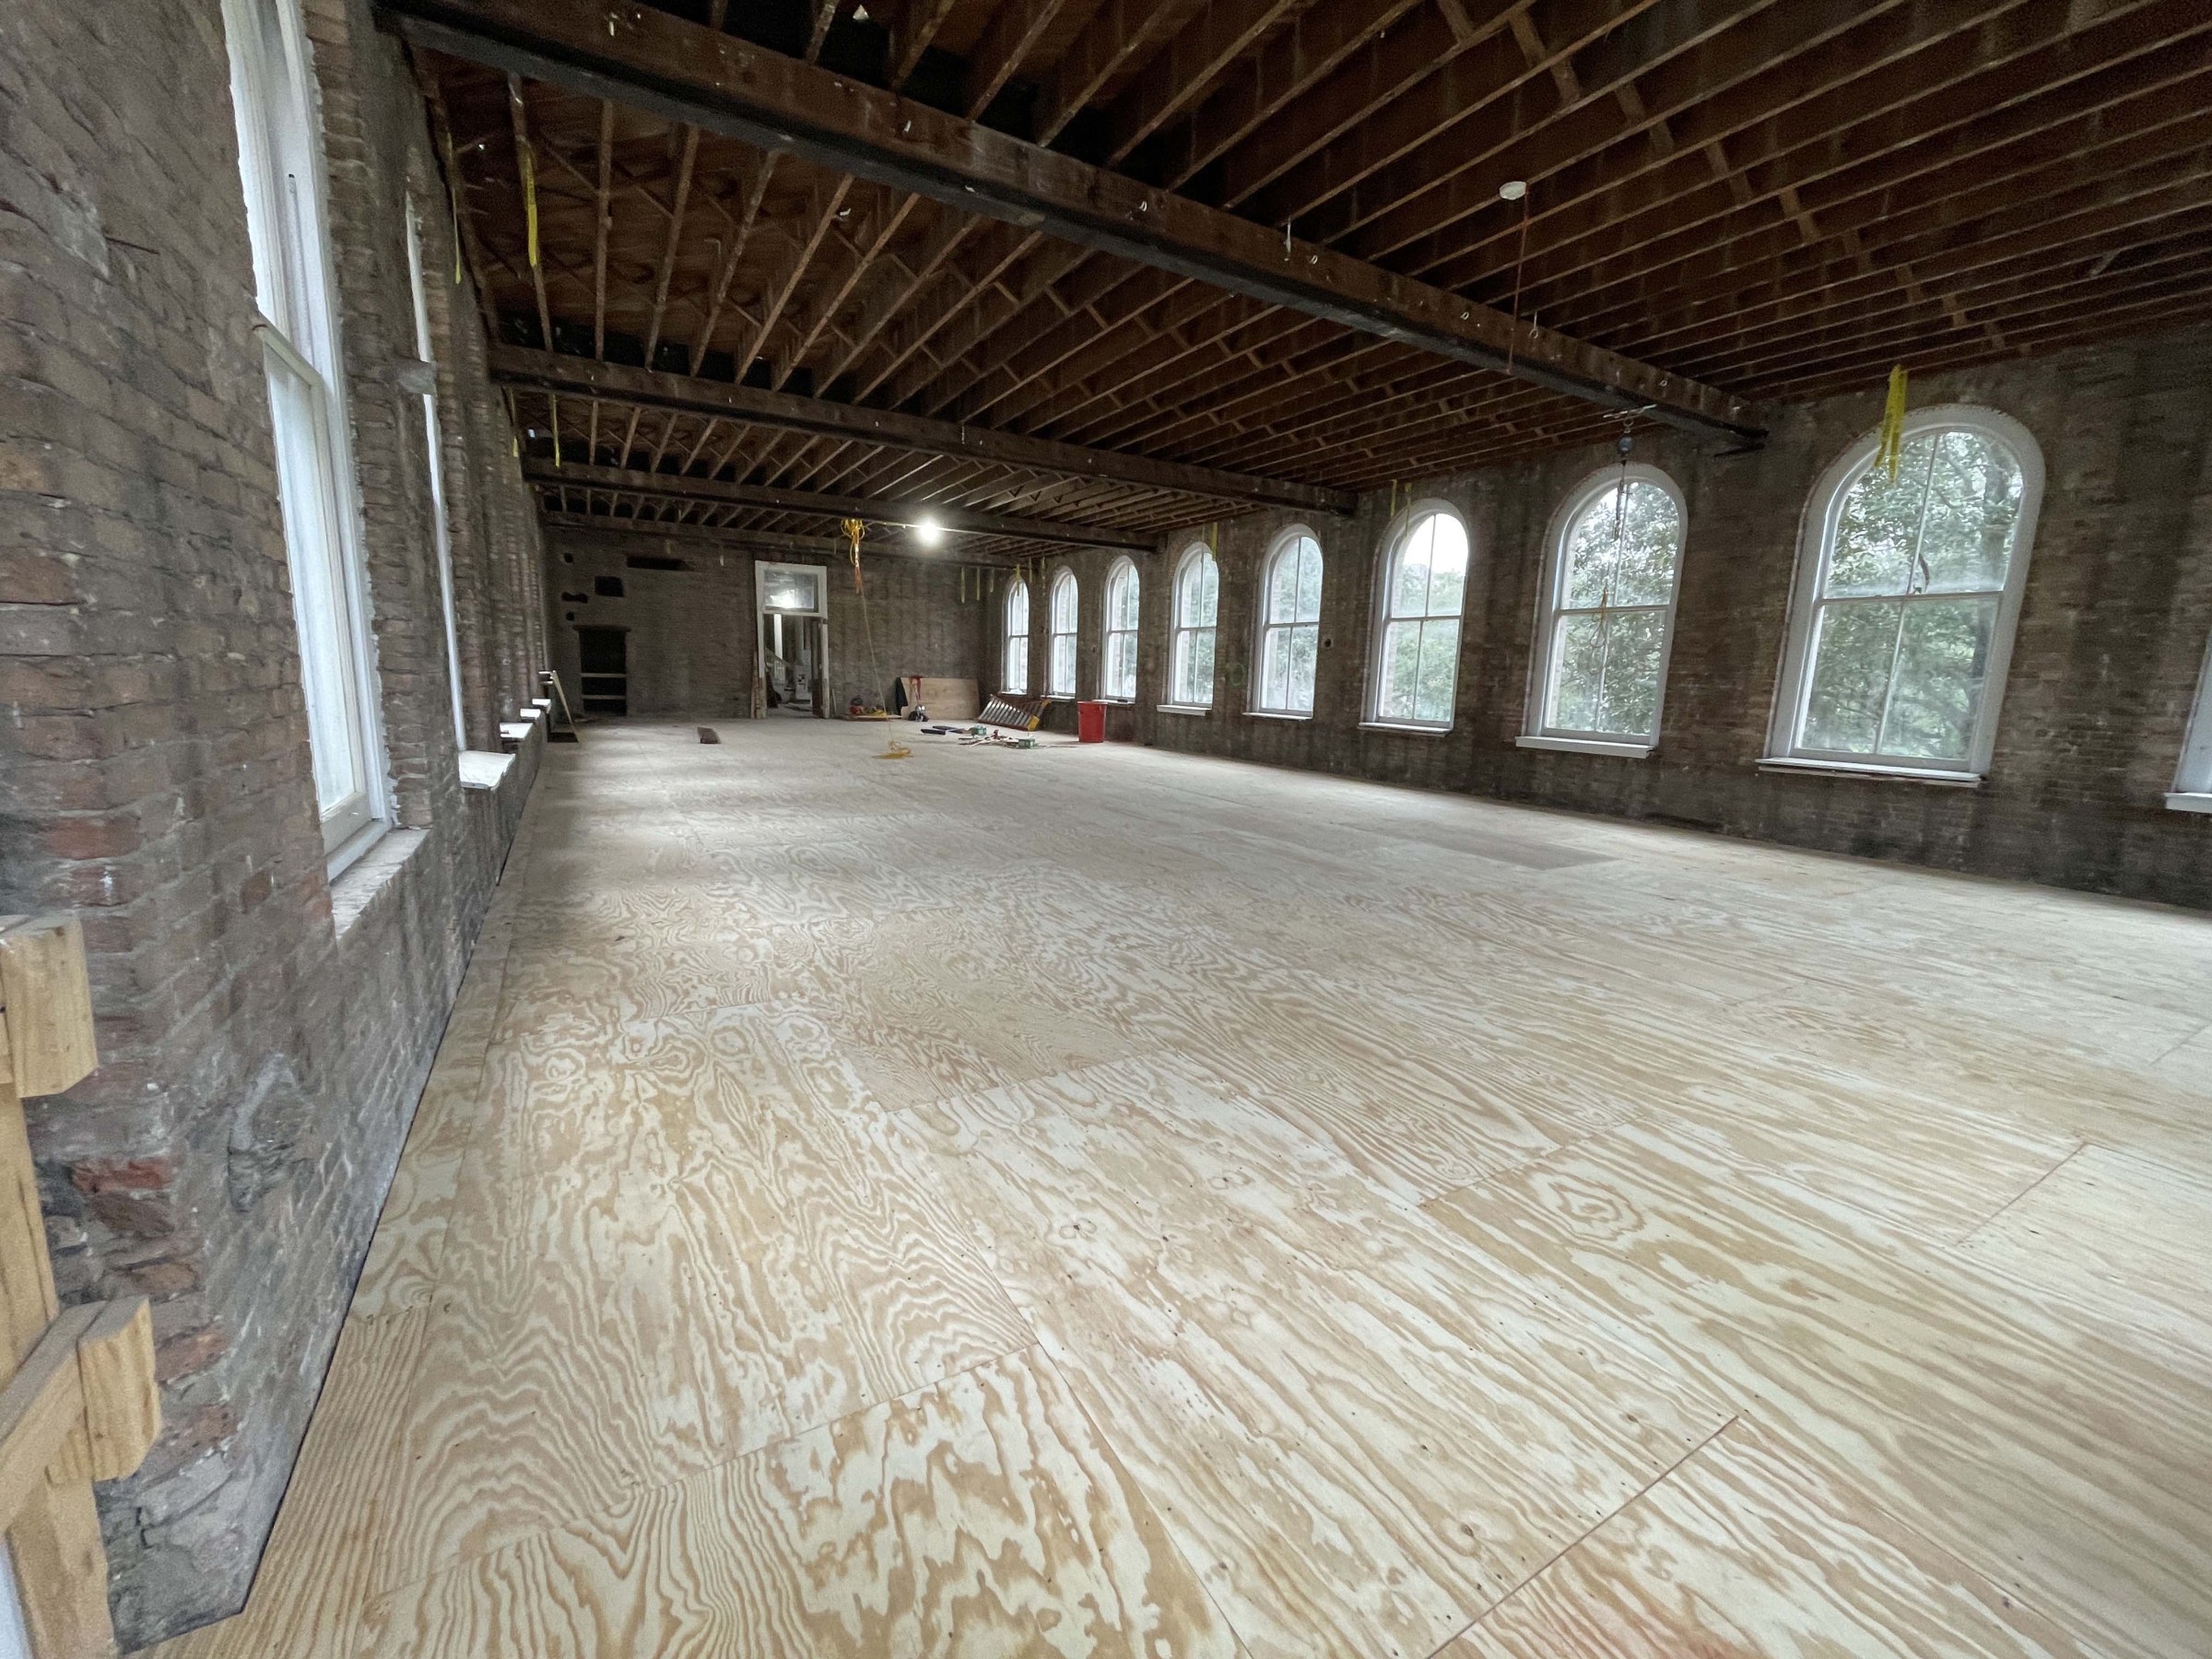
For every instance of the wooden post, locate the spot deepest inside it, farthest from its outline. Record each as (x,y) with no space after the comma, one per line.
(82,1403)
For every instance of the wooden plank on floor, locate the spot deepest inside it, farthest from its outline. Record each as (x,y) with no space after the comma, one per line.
(981,1516)
(1744,1549)
(2070,1466)
(1360,1464)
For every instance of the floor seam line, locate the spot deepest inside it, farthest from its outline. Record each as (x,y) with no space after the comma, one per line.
(1576,1542)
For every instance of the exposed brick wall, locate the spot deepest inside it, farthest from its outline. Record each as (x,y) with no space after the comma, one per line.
(264,1031)
(691,631)
(2111,638)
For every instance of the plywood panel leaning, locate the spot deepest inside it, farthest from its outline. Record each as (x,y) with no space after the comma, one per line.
(83,1403)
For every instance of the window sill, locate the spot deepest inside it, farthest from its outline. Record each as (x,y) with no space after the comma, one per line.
(1406,729)
(482,770)
(1276,714)
(1588,746)
(2189,801)
(370,874)
(1195,708)
(1845,769)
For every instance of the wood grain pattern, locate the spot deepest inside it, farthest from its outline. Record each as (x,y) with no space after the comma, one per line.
(1735,1554)
(1106,1200)
(981,1516)
(2060,1457)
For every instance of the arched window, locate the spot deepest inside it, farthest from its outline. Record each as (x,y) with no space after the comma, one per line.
(1121,631)
(1289,624)
(1614,560)
(1017,675)
(1416,659)
(1907,587)
(1197,598)
(1060,658)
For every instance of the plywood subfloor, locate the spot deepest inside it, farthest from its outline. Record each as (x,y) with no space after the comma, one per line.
(1092,1201)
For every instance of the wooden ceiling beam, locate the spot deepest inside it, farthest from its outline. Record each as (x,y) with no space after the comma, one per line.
(1420,79)
(1007,40)
(738,538)
(1451,128)
(573,376)
(683,72)
(1953,99)
(1118,32)
(1186,68)
(1317,43)
(1887,58)
(815,504)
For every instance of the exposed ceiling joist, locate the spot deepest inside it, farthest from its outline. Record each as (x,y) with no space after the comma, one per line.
(675,487)
(584,377)
(686,73)
(767,541)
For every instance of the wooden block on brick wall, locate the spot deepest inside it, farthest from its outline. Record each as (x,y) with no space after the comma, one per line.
(46,998)
(122,1401)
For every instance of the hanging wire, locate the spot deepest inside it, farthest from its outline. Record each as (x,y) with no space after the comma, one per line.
(1512,340)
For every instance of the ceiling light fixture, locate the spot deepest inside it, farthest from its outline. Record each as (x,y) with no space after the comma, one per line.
(1512,190)
(928,531)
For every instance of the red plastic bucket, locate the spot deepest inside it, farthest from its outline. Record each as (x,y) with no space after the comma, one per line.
(1090,721)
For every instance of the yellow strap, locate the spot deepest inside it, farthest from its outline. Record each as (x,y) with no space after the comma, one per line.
(529,162)
(1891,450)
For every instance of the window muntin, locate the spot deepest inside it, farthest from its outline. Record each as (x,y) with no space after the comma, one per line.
(1616,562)
(280,167)
(1289,625)
(1120,676)
(1016,676)
(1060,641)
(1908,592)
(1198,603)
(419,288)
(1424,587)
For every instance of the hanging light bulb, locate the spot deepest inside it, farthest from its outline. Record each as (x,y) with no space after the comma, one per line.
(1512,190)
(928,531)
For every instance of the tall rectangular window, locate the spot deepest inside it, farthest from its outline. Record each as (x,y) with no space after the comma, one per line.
(279,161)
(2193,783)
(437,474)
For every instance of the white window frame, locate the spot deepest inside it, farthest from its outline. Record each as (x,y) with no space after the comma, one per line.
(1060,642)
(1283,546)
(1815,541)
(1183,634)
(2192,777)
(278,114)
(1014,661)
(1401,532)
(1543,663)
(1124,571)
(420,291)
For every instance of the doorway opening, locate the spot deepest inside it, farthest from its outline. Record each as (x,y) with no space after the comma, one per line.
(794,642)
(603,680)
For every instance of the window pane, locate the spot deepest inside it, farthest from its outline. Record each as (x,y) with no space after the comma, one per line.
(1121,600)
(1063,604)
(1439,666)
(1017,608)
(1064,664)
(1305,646)
(1942,659)
(1121,665)
(792,590)
(1974,508)
(1410,584)
(1578,672)
(1852,646)
(321,604)
(1309,581)
(1877,526)
(1282,585)
(1629,706)
(1017,662)
(1209,591)
(1401,665)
